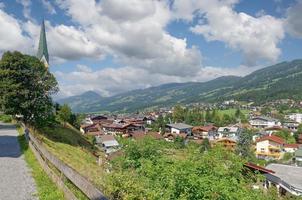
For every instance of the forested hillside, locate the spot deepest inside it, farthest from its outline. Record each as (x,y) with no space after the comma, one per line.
(283,80)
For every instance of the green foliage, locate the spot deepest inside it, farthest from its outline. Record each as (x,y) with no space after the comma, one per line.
(244,145)
(286,135)
(5,118)
(64,114)
(144,173)
(26,87)
(47,190)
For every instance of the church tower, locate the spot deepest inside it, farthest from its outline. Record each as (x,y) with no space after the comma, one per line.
(42,51)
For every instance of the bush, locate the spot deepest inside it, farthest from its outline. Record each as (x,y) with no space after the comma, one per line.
(5,118)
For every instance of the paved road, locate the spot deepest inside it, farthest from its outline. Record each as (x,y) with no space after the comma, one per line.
(16,182)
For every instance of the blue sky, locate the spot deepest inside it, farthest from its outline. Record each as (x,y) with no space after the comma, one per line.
(112,46)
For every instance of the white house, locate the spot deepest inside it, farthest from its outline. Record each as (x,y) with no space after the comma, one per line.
(180,128)
(297,117)
(108,143)
(291,148)
(228,131)
(264,122)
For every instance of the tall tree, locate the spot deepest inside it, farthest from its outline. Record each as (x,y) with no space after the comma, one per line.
(244,144)
(26,87)
(65,114)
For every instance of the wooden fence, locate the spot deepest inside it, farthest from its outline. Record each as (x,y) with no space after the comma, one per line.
(44,156)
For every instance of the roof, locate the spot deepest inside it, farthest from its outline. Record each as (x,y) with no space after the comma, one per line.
(258,168)
(106,138)
(42,50)
(273,128)
(295,146)
(204,128)
(232,129)
(298,153)
(265,118)
(292,175)
(110,143)
(272,138)
(180,126)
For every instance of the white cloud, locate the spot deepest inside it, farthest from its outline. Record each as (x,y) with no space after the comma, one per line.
(11,37)
(256,37)
(293,20)
(134,33)
(50,8)
(111,81)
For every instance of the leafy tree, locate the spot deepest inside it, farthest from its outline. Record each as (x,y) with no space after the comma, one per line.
(244,144)
(26,87)
(64,114)
(286,135)
(208,117)
(178,114)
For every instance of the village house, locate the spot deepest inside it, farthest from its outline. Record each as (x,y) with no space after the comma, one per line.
(170,137)
(229,132)
(178,128)
(91,129)
(108,143)
(269,147)
(264,122)
(296,117)
(227,143)
(291,125)
(121,128)
(290,148)
(201,132)
(98,119)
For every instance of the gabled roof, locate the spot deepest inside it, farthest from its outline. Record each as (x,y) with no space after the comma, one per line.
(294,146)
(265,118)
(258,168)
(204,128)
(180,126)
(272,138)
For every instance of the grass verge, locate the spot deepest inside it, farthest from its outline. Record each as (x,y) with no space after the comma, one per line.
(47,190)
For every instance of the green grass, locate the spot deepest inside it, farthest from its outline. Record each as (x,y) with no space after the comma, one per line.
(5,118)
(47,190)
(231,112)
(75,150)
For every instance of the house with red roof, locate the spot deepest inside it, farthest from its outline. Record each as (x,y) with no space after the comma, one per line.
(270,147)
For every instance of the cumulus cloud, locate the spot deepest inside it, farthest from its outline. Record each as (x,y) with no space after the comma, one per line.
(256,37)
(11,36)
(111,81)
(134,33)
(293,19)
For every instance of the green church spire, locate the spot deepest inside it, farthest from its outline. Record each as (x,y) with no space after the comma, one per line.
(42,51)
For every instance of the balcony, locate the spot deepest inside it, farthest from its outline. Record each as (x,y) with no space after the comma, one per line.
(269,154)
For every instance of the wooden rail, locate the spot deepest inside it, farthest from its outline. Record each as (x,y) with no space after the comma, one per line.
(44,156)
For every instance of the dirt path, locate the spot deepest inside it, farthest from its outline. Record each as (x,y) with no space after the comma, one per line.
(16,182)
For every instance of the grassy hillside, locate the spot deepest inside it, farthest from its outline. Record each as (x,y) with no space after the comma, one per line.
(74,149)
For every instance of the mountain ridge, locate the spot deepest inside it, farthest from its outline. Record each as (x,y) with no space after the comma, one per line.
(276,81)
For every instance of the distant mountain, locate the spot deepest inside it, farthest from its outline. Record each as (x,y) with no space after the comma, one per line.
(283,80)
(82,100)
